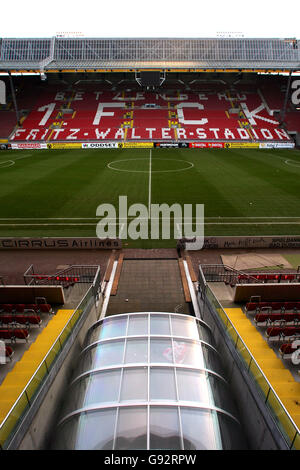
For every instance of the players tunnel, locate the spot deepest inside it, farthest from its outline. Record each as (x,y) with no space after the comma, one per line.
(149,381)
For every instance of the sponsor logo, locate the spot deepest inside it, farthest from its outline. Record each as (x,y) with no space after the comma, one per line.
(95,145)
(28,146)
(130,145)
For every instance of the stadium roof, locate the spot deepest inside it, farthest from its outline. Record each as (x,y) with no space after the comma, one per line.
(134,54)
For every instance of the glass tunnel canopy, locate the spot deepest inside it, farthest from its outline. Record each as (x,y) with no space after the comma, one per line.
(149,381)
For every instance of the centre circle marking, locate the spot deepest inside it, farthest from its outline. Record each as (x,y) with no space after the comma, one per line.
(111,167)
(292,163)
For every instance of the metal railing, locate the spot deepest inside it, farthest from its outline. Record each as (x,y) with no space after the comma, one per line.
(10,424)
(229,275)
(223,273)
(281,417)
(74,273)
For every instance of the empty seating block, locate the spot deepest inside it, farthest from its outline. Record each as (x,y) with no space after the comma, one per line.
(25,308)
(13,334)
(280,333)
(104,114)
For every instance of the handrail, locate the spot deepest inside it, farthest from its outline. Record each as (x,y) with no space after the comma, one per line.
(252,360)
(30,276)
(44,367)
(227,271)
(223,270)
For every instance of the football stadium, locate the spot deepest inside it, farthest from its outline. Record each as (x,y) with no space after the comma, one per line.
(149,244)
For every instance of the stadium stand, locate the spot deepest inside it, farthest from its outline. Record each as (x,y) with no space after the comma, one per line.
(101,114)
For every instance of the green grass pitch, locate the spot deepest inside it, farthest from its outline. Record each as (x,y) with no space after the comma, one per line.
(57,192)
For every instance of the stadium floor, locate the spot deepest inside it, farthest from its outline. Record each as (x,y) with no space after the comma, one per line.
(57,192)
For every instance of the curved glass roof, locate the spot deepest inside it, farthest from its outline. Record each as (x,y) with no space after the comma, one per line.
(149,381)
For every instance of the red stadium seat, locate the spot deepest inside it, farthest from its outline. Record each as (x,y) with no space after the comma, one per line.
(45,308)
(118,115)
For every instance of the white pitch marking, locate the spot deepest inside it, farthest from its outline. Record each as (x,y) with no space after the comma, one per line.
(149,192)
(11,163)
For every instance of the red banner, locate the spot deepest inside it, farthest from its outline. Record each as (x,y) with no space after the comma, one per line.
(205,145)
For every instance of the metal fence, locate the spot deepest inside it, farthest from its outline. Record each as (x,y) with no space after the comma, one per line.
(72,274)
(282,419)
(11,423)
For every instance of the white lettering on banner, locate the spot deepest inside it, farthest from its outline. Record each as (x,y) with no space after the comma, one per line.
(281,134)
(165,97)
(56,133)
(201,133)
(202,96)
(164,133)
(98,93)
(133,136)
(243,134)
(44,135)
(73,134)
(150,131)
(266,134)
(254,133)
(181,133)
(60,96)
(250,115)
(296,94)
(236,97)
(101,134)
(138,96)
(100,112)
(32,134)
(228,134)
(190,105)
(50,108)
(18,133)
(78,96)
(215,131)
(120,134)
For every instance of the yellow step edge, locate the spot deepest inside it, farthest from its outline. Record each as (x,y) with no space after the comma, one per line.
(20,375)
(281,379)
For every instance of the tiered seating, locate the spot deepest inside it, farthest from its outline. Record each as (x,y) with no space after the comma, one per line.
(25,308)
(283,306)
(265,278)
(287,349)
(281,320)
(103,114)
(281,333)
(65,281)
(8,122)
(264,319)
(9,352)
(14,334)
(23,314)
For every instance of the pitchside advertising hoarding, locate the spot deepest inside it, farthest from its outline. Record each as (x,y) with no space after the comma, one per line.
(132,145)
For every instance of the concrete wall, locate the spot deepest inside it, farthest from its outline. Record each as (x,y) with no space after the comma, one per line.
(267,292)
(38,429)
(27,294)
